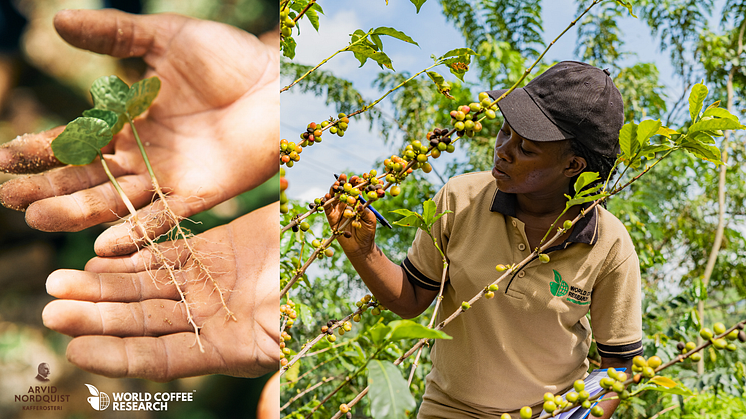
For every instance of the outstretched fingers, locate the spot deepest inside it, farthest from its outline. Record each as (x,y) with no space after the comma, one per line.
(29,153)
(116,287)
(156,219)
(146,318)
(159,359)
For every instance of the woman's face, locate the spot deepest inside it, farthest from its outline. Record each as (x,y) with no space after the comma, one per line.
(529,167)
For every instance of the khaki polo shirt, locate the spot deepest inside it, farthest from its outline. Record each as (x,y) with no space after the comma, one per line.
(534,336)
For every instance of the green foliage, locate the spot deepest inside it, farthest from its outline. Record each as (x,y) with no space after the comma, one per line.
(389,393)
(599,35)
(81,141)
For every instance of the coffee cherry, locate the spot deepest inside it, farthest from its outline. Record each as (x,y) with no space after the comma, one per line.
(329,252)
(579,385)
(526,412)
(731,347)
(344,408)
(505,416)
(305,226)
(718,328)
(680,346)
(606,383)
(733,335)
(583,395)
(347,326)
(451,148)
(586,404)
(549,406)
(426,167)
(331,338)
(706,333)
(695,357)
(465,306)
(654,362)
(356,318)
(493,287)
(490,114)
(376,311)
(501,268)
(597,411)
(544,258)
(690,346)
(742,336)
(648,372)
(621,376)
(639,361)
(617,387)
(548,396)
(719,343)
(489,295)
(571,397)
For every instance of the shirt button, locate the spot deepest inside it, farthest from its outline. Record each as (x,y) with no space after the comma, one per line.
(521,246)
(514,223)
(521,274)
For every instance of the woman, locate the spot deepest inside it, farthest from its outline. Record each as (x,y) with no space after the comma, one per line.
(533,337)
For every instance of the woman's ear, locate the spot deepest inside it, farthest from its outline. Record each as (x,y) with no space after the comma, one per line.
(575,166)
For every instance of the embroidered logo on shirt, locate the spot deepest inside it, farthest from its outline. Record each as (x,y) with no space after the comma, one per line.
(575,295)
(559,287)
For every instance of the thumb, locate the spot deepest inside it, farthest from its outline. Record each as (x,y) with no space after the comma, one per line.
(116,33)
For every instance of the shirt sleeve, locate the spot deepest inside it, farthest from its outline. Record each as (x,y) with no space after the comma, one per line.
(616,309)
(424,264)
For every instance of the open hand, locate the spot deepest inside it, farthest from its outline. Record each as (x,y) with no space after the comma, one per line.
(210,134)
(127,320)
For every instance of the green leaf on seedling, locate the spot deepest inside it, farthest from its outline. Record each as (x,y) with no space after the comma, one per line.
(696,99)
(111,118)
(418,4)
(407,329)
(389,393)
(81,141)
(110,93)
(141,96)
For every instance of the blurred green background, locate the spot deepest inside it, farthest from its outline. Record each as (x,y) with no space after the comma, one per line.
(44,83)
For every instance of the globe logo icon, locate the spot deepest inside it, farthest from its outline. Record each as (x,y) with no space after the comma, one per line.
(104,401)
(100,400)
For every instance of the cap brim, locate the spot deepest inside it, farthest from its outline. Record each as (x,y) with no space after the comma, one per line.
(526,118)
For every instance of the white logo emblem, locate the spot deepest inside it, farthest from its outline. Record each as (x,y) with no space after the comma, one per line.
(100,400)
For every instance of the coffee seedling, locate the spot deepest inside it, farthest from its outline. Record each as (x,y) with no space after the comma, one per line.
(117,104)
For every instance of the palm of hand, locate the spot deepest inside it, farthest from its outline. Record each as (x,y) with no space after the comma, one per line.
(219,86)
(126,326)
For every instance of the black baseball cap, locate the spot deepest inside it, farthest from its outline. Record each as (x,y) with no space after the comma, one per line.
(569,100)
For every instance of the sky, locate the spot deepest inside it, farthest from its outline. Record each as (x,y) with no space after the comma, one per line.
(360,148)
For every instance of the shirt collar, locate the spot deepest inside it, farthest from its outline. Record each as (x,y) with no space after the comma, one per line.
(584,231)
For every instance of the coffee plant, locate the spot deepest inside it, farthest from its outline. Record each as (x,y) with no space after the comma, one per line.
(349,351)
